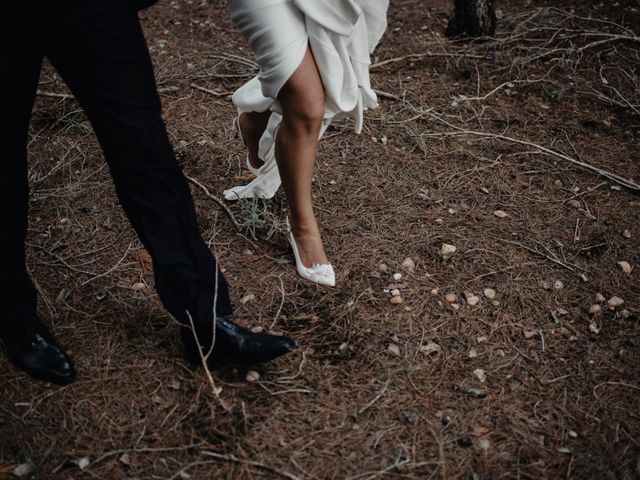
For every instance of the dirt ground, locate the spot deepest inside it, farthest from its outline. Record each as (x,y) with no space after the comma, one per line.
(541,381)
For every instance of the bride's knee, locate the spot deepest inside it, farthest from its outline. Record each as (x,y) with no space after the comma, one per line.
(305,110)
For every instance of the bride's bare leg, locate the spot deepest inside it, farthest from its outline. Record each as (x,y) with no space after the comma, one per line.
(253,125)
(302,100)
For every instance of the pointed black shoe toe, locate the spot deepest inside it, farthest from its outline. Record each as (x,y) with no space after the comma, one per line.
(40,356)
(236,344)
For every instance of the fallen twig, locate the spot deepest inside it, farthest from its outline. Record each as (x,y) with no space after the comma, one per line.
(211,92)
(217,200)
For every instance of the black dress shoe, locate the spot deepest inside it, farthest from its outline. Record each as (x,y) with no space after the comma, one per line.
(39,355)
(234,344)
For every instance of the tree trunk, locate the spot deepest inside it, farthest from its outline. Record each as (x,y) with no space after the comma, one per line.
(475,18)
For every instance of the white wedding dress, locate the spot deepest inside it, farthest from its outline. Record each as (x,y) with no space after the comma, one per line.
(342,35)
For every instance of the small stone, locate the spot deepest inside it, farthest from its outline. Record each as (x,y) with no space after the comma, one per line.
(247,298)
(447,249)
(473,353)
(558,285)
(435,291)
(465,441)
(396,300)
(574,203)
(484,190)
(473,300)
(430,347)
(625,314)
(563,450)
(561,311)
(247,252)
(343,346)
(393,349)
(257,329)
(500,214)
(593,327)
(252,376)
(528,333)
(495,303)
(438,221)
(395,292)
(136,287)
(24,470)
(412,417)
(572,434)
(83,462)
(490,293)
(625,266)
(480,375)
(125,459)
(397,276)
(450,297)
(626,233)
(481,339)
(545,285)
(409,265)
(455,306)
(595,308)
(476,392)
(484,444)
(383,267)
(615,302)
(600,298)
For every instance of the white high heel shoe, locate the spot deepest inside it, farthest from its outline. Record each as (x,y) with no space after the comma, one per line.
(320,273)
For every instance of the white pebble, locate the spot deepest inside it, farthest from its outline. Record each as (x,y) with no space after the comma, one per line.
(247,298)
(490,293)
(394,349)
(447,249)
(595,308)
(480,375)
(473,300)
(615,302)
(625,266)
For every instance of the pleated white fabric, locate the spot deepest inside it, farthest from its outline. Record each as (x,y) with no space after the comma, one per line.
(341,34)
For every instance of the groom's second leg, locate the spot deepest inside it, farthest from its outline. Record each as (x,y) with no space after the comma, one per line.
(17,295)
(110,73)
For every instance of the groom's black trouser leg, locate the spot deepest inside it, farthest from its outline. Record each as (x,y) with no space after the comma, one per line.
(17,293)
(101,53)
